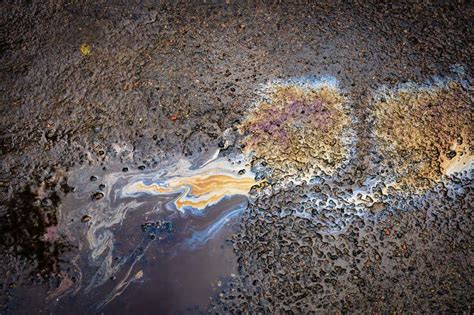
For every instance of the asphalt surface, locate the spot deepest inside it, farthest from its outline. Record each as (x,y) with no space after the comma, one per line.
(140,83)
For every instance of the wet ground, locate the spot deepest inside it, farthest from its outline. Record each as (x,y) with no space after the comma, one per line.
(236,156)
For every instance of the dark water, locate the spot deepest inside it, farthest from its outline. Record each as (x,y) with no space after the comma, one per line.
(181,281)
(175,274)
(143,250)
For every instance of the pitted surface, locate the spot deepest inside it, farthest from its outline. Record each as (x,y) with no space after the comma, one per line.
(159,81)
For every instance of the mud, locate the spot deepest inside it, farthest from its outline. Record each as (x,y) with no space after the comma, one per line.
(99,97)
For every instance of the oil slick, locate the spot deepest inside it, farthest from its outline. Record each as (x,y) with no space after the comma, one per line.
(196,192)
(424,132)
(303,130)
(181,207)
(300,127)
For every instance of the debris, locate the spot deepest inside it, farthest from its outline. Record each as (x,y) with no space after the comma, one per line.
(85,49)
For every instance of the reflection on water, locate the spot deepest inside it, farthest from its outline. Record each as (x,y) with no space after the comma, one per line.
(175,215)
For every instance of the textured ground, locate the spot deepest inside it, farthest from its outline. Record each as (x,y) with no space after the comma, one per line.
(163,80)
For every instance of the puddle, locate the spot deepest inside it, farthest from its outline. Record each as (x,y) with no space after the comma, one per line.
(151,240)
(156,240)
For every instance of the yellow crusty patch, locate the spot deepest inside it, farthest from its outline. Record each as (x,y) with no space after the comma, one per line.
(85,49)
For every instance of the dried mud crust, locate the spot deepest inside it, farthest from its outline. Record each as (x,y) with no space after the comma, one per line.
(168,78)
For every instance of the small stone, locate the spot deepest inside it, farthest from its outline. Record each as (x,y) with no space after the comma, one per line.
(451,154)
(98,195)
(86,218)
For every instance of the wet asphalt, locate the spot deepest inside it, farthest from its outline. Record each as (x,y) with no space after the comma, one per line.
(160,80)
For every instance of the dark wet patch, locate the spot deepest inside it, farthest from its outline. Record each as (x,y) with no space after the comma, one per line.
(29,229)
(128,237)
